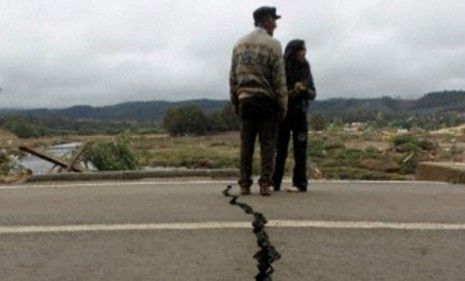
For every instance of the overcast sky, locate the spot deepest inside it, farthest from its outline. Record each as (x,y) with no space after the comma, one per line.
(69,52)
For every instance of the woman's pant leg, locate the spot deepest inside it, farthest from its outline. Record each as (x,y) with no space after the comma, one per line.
(300,139)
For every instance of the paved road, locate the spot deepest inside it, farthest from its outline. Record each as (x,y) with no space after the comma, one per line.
(187,231)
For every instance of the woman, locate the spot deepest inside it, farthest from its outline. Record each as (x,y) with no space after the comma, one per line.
(301,91)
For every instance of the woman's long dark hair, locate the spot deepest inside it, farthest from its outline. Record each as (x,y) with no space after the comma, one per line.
(292,48)
(296,71)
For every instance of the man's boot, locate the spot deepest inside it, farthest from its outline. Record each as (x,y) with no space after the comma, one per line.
(265,187)
(244,186)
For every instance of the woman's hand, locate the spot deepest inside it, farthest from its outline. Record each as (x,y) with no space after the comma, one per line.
(300,86)
(311,94)
(299,89)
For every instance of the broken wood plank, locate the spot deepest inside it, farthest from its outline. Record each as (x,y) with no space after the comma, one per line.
(49,158)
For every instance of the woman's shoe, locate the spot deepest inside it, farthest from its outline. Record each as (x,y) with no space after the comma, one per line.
(265,190)
(294,189)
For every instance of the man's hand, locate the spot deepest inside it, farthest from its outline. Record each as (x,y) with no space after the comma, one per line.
(235,109)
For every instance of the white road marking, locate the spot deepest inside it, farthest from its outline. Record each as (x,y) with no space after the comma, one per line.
(365,225)
(116,183)
(193,182)
(230,225)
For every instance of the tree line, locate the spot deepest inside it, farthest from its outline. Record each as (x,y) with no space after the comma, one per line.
(192,120)
(433,111)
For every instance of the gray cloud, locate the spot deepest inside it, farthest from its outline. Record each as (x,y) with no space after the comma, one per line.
(61,53)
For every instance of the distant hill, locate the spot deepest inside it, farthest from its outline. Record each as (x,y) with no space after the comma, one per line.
(128,111)
(441,101)
(447,101)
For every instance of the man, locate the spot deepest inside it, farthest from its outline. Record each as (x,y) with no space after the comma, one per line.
(258,96)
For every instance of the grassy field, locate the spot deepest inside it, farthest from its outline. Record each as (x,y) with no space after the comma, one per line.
(363,154)
(333,154)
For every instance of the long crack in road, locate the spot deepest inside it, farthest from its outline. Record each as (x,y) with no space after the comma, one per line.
(267,253)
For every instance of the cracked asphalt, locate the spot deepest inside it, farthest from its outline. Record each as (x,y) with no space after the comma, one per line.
(225,253)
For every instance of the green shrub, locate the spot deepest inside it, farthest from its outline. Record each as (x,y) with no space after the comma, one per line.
(410,166)
(409,143)
(334,145)
(318,122)
(112,155)
(192,120)
(186,120)
(22,127)
(428,145)
(411,147)
(223,120)
(316,148)
(351,154)
(454,153)
(5,164)
(8,165)
(404,139)
(372,152)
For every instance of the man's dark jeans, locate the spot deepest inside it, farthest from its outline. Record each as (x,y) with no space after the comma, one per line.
(257,117)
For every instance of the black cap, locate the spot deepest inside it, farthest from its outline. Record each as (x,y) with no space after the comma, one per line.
(263,12)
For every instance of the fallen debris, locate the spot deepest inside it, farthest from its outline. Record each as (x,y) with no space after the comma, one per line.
(55,160)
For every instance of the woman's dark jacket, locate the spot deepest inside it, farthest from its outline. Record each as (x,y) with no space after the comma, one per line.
(298,72)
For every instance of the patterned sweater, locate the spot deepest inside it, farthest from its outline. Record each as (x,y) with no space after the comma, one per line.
(258,68)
